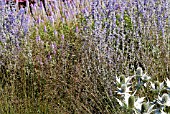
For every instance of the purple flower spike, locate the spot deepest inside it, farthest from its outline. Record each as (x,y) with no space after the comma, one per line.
(38,39)
(117,7)
(49,56)
(45,29)
(53,46)
(62,37)
(77,29)
(55,33)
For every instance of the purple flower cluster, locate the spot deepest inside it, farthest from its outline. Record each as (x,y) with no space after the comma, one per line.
(115,18)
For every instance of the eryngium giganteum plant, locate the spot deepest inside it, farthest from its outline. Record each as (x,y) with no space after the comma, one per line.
(158,104)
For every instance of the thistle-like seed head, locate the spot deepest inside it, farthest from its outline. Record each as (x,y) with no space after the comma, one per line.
(122,79)
(123,87)
(144,107)
(165,98)
(139,72)
(131,102)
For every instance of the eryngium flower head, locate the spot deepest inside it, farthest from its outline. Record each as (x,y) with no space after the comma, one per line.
(123,80)
(138,103)
(145,77)
(139,72)
(164,100)
(157,86)
(131,102)
(124,89)
(144,108)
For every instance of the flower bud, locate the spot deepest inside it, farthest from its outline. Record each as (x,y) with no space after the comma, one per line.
(165,98)
(123,88)
(131,102)
(139,72)
(144,108)
(122,79)
(45,29)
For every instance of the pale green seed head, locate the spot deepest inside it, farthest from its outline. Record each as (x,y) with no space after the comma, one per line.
(144,107)
(131,102)
(122,79)
(165,98)
(123,88)
(139,72)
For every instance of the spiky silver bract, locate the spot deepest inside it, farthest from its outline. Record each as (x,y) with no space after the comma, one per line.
(124,89)
(164,99)
(157,86)
(167,84)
